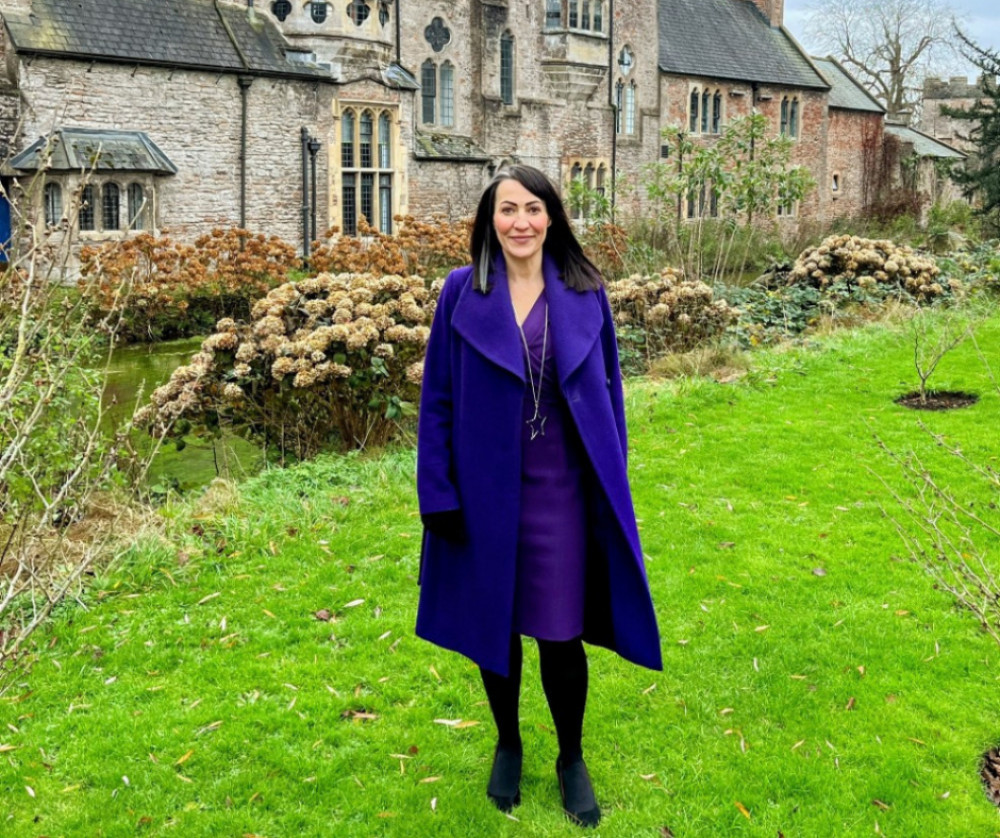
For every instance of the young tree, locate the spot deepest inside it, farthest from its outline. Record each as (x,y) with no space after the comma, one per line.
(889,45)
(980,176)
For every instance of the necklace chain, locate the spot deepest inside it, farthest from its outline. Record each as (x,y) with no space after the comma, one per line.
(536,394)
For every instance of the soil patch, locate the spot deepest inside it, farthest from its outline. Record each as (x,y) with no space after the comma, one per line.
(990,774)
(937,400)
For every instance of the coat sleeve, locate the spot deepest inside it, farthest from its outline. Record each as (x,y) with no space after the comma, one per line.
(609,346)
(436,489)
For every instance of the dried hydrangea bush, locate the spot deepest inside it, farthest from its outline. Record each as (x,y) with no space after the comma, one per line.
(874,265)
(665,313)
(333,360)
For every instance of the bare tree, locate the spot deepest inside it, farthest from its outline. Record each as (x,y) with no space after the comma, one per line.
(888,45)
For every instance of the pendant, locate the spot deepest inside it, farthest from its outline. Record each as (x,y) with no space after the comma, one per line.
(537,424)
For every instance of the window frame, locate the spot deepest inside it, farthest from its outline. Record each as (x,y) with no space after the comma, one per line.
(136,215)
(367,191)
(52,200)
(508,63)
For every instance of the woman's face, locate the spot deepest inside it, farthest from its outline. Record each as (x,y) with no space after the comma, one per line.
(520,220)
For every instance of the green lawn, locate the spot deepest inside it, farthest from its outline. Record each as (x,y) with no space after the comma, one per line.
(815,683)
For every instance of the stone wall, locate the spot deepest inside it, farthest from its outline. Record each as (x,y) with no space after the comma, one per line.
(849,132)
(195,119)
(956,92)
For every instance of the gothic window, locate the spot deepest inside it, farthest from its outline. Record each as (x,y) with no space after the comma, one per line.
(53,204)
(835,185)
(619,105)
(317,10)
(366,135)
(428,92)
(630,109)
(602,172)
(507,68)
(576,174)
(793,118)
(281,9)
(110,206)
(695,99)
(357,11)
(384,142)
(383,12)
(786,210)
(784,116)
(717,112)
(706,98)
(367,178)
(437,34)
(86,217)
(136,207)
(447,94)
(626,60)
(713,202)
(347,140)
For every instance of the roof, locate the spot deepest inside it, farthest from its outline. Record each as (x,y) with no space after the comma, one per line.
(166,33)
(447,147)
(730,39)
(845,91)
(923,145)
(89,149)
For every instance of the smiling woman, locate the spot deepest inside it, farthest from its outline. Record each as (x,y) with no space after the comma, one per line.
(521,448)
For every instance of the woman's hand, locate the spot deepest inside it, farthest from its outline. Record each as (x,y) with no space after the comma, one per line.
(449,525)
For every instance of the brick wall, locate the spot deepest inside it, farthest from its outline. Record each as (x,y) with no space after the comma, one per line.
(846,138)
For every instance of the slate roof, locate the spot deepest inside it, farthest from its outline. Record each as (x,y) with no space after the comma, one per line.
(923,145)
(447,147)
(845,92)
(730,39)
(80,149)
(166,33)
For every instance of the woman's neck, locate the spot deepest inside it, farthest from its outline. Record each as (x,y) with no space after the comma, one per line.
(524,270)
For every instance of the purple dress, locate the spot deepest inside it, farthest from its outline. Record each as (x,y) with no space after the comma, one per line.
(551,546)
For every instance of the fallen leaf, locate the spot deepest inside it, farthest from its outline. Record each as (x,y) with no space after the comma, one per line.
(743,809)
(647,776)
(819,571)
(30,790)
(666,832)
(885,807)
(434,804)
(465,724)
(5,748)
(762,628)
(323,614)
(726,545)
(354,603)
(850,704)
(184,758)
(448,722)
(799,744)
(649,689)
(430,779)
(203,600)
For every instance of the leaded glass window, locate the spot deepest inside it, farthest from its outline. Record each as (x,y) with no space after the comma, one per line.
(695,99)
(447,94)
(86,217)
(367,136)
(347,140)
(136,207)
(384,142)
(507,68)
(53,204)
(428,92)
(110,206)
(630,109)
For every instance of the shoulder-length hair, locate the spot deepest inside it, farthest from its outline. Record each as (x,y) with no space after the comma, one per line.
(577,271)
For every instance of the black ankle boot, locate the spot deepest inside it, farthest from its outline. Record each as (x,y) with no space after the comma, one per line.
(577,793)
(504,788)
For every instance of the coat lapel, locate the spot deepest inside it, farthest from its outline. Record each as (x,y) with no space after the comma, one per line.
(576,321)
(486,322)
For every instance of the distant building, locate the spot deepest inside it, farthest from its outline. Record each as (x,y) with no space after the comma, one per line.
(287,116)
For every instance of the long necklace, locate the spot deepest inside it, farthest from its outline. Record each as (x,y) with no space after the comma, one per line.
(537,421)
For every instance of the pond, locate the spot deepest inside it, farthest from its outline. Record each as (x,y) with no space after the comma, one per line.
(135,371)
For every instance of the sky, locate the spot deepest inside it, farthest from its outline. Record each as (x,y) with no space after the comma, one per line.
(981,22)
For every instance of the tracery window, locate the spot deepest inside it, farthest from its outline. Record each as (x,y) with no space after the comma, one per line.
(318,10)
(367,176)
(717,112)
(789,125)
(695,101)
(53,204)
(86,217)
(630,109)
(507,68)
(281,9)
(111,206)
(358,11)
(705,99)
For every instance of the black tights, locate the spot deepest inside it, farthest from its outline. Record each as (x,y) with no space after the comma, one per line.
(564,680)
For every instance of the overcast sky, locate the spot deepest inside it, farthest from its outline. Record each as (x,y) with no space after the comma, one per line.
(982,21)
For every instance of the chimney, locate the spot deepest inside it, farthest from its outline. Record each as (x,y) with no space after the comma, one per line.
(773,10)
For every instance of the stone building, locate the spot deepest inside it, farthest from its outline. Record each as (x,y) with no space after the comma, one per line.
(290,117)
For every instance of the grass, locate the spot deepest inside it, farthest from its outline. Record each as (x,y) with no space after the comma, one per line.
(815,683)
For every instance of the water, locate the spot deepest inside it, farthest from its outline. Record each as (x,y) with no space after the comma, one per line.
(134,372)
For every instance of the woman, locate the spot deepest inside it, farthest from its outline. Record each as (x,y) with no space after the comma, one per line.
(521,476)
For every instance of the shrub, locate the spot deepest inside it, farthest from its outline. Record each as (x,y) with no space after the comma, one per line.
(665,313)
(874,265)
(325,360)
(179,290)
(419,248)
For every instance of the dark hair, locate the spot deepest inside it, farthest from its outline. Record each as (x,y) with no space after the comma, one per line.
(578,272)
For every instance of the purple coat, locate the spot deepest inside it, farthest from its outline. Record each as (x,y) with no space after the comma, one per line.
(469,458)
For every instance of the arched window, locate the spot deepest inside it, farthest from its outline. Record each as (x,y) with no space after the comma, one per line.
(281,9)
(358,11)
(53,204)
(835,185)
(695,99)
(347,140)
(383,12)
(111,207)
(136,207)
(705,102)
(576,175)
(86,217)
(367,135)
(447,94)
(784,116)
(717,112)
(428,92)
(317,9)
(793,118)
(507,68)
(619,105)
(384,142)
(602,172)
(630,109)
